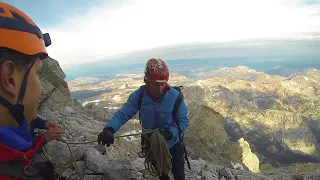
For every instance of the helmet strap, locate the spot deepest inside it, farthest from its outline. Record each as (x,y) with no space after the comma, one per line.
(24,84)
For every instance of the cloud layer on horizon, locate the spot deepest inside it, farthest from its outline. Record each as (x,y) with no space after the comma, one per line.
(125,26)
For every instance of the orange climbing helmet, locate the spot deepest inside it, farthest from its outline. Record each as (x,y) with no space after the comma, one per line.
(20,33)
(156,70)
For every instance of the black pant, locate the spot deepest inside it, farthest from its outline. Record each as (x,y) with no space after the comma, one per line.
(177,163)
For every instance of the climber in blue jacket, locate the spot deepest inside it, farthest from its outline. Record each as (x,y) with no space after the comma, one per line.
(156,111)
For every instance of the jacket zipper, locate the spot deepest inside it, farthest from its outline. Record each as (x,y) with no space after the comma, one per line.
(153,113)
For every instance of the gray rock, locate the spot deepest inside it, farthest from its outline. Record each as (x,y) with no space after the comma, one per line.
(96,162)
(100,114)
(116,175)
(136,175)
(70,110)
(81,165)
(299,177)
(197,165)
(68,173)
(138,164)
(52,72)
(101,149)
(226,173)
(59,98)
(61,158)
(92,177)
(247,177)
(88,171)
(191,153)
(74,177)
(207,175)
(64,157)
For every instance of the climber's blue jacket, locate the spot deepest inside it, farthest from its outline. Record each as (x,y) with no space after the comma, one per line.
(154,113)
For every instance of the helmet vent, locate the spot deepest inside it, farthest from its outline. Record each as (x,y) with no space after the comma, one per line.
(1,10)
(17,16)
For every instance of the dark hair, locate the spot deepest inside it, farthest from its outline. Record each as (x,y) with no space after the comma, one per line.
(19,59)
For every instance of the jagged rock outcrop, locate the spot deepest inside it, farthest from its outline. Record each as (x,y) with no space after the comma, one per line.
(55,89)
(207,137)
(56,104)
(249,159)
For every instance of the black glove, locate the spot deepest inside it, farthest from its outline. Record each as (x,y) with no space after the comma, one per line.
(106,136)
(166,134)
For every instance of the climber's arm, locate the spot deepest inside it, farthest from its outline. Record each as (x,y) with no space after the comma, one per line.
(128,110)
(182,119)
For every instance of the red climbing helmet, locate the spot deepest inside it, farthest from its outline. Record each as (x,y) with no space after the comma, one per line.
(156,70)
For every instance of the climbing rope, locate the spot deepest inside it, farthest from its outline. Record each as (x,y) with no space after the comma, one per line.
(155,151)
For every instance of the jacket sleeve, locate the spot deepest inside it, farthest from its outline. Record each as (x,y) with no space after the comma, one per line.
(39,123)
(38,139)
(182,119)
(128,110)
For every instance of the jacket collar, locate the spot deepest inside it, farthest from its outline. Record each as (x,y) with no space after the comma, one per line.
(165,90)
(18,138)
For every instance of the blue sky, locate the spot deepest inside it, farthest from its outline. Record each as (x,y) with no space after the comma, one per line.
(85,31)
(49,13)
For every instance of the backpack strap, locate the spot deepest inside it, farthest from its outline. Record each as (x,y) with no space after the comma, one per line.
(37,171)
(175,110)
(178,101)
(141,90)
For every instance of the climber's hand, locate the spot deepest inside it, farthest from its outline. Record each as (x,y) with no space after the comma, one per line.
(166,134)
(51,124)
(106,136)
(53,133)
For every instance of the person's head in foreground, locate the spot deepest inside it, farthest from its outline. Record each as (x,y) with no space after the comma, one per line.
(22,49)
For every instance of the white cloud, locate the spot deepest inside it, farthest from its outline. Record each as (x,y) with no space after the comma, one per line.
(127,26)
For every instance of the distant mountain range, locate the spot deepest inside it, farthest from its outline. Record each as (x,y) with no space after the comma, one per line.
(201,68)
(277,57)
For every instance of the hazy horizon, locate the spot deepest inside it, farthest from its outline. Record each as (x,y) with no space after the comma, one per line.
(254,54)
(191,67)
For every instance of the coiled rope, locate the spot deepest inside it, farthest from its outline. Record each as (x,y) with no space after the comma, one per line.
(156,153)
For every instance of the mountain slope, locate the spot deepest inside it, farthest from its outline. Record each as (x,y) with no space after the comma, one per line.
(277,115)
